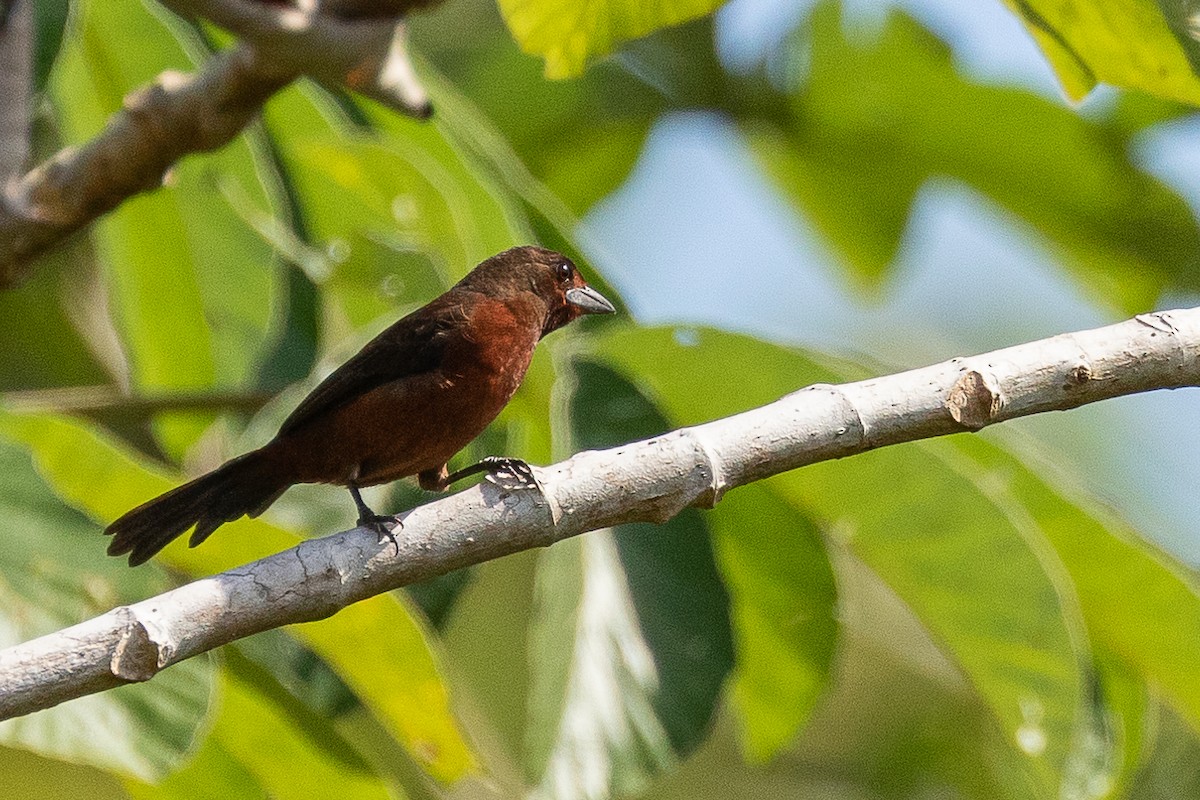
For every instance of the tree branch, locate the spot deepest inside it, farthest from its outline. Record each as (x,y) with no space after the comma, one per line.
(181,114)
(104,399)
(651,480)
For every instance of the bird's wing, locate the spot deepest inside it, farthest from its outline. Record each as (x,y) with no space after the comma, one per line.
(411,346)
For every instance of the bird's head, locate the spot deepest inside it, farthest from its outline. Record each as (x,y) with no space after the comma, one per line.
(542,278)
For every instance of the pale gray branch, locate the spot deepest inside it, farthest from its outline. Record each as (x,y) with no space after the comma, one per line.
(651,480)
(181,114)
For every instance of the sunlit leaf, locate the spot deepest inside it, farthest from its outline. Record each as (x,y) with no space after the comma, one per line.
(979,576)
(255,749)
(1089,40)
(367,642)
(40,347)
(784,614)
(1150,631)
(400,683)
(50,579)
(185,241)
(632,643)
(568,35)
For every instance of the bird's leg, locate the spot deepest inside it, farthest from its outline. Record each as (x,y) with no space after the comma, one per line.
(367,518)
(505,472)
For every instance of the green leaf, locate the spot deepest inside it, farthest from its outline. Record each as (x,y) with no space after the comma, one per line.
(784,614)
(182,249)
(255,749)
(1136,44)
(375,646)
(24,775)
(877,119)
(568,35)
(378,637)
(396,211)
(50,581)
(632,643)
(49,19)
(1149,631)
(41,347)
(1173,766)
(979,574)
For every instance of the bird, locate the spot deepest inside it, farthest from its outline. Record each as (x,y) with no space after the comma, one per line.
(410,399)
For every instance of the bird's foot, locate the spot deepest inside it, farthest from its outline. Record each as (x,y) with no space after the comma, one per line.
(511,474)
(383,526)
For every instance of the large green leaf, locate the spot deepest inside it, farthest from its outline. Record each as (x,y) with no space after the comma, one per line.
(192,285)
(580,137)
(567,35)
(378,637)
(49,579)
(1151,631)
(1137,44)
(257,749)
(376,647)
(41,347)
(784,613)
(875,120)
(395,211)
(980,572)
(631,642)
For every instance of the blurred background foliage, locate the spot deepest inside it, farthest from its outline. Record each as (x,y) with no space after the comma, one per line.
(782,193)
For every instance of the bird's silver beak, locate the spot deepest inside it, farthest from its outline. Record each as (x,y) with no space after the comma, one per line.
(589,301)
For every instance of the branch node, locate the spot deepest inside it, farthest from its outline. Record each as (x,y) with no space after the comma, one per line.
(136,657)
(1079,374)
(710,463)
(975,400)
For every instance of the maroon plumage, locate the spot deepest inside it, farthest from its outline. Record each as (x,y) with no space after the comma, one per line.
(414,396)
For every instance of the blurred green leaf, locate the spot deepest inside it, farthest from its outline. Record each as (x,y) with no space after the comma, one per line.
(632,643)
(979,573)
(394,212)
(875,120)
(50,580)
(1150,630)
(1173,770)
(1136,44)
(568,35)
(376,638)
(255,749)
(24,775)
(784,613)
(192,285)
(41,348)
(49,19)
(375,646)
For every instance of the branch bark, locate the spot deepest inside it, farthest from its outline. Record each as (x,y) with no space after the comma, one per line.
(651,480)
(181,114)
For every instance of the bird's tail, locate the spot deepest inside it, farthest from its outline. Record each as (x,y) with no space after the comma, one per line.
(243,485)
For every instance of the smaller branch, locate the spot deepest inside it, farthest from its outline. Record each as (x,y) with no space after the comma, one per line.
(158,125)
(366,54)
(181,114)
(647,481)
(100,399)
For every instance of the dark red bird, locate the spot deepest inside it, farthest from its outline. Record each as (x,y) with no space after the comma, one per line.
(414,396)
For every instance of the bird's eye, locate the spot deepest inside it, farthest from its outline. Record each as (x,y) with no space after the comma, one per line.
(564,271)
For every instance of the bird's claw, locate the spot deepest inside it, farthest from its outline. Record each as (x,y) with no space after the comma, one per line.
(383,526)
(511,474)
